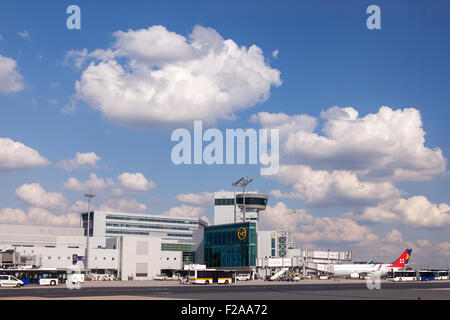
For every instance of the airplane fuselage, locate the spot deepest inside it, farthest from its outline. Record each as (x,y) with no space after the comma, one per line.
(341,270)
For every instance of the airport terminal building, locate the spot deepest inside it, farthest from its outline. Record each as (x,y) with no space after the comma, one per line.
(235,241)
(127,245)
(140,246)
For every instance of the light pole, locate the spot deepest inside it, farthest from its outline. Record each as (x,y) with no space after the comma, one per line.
(291,243)
(90,196)
(244,182)
(235,185)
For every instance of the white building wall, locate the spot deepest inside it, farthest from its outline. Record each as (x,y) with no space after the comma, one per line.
(99,224)
(61,257)
(40,230)
(55,247)
(19,235)
(140,255)
(172,260)
(264,246)
(225,215)
(103,259)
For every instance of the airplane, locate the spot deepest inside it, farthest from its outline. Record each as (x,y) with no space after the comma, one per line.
(358,270)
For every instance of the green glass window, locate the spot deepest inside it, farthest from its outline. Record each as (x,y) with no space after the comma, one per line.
(231,245)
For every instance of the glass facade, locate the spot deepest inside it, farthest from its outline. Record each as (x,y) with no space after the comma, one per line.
(249,200)
(115,224)
(224,202)
(231,245)
(151,219)
(84,218)
(273,252)
(188,250)
(145,226)
(177,247)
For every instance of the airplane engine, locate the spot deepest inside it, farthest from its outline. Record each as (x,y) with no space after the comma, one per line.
(354,275)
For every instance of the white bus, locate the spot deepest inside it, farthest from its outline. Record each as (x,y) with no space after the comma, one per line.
(43,277)
(441,275)
(400,276)
(210,276)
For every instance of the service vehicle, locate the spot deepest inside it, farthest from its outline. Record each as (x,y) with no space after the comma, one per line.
(441,275)
(425,275)
(400,276)
(210,276)
(243,277)
(10,281)
(43,277)
(160,277)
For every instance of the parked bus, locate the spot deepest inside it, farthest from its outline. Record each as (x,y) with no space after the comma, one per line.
(426,275)
(400,276)
(43,277)
(440,275)
(210,276)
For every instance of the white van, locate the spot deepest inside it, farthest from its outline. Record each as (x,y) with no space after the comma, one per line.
(243,277)
(10,281)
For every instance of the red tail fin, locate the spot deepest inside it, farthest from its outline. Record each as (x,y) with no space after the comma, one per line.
(402,260)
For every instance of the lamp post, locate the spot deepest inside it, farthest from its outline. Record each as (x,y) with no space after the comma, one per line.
(235,185)
(244,182)
(89,196)
(290,240)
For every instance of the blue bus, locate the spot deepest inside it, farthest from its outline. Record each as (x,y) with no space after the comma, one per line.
(50,277)
(426,275)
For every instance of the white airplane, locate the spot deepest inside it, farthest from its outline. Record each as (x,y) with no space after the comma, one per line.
(358,270)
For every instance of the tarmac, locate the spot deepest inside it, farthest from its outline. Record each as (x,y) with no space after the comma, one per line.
(245,290)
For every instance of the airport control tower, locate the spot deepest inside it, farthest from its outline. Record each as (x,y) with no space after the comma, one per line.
(224,207)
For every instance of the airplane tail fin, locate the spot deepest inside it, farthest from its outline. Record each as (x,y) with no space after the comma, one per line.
(402,260)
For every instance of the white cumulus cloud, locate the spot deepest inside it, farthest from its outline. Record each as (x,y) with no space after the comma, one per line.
(38,217)
(339,187)
(85,160)
(307,228)
(185,211)
(17,156)
(155,76)
(93,183)
(10,79)
(389,144)
(197,199)
(34,195)
(13,216)
(416,211)
(123,205)
(135,182)
(127,183)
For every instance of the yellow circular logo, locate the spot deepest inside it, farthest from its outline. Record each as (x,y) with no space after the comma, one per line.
(242,233)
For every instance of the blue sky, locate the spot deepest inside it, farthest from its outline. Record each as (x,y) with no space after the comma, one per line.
(327,57)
